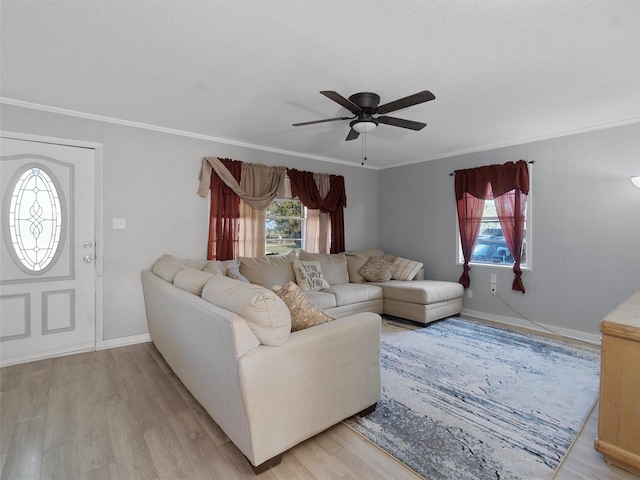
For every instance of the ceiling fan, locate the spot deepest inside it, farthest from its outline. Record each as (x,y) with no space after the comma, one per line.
(364,106)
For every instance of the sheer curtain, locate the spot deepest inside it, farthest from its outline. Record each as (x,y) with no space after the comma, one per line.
(318,225)
(508,185)
(304,187)
(224,213)
(230,181)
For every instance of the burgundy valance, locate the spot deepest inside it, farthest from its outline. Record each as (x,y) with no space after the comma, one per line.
(501,179)
(304,187)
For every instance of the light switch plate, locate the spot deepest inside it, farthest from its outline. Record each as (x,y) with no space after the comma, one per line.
(494,278)
(119,223)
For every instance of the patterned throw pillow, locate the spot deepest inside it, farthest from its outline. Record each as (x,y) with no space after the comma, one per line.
(303,313)
(377,269)
(309,275)
(407,269)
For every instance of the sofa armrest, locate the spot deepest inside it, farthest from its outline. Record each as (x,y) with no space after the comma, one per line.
(320,376)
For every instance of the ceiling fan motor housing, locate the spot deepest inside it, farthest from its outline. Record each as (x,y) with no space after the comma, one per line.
(365,100)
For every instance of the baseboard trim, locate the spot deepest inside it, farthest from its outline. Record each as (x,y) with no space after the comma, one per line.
(123,341)
(539,328)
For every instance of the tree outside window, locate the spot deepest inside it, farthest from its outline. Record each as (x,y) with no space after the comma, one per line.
(285,226)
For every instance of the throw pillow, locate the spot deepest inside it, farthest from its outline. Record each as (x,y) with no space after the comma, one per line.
(406,270)
(303,313)
(377,269)
(265,313)
(167,267)
(191,280)
(309,275)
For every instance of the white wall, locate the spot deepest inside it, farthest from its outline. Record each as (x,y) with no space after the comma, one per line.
(585,227)
(150,179)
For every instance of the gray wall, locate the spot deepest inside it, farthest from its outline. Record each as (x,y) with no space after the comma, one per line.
(585,227)
(150,179)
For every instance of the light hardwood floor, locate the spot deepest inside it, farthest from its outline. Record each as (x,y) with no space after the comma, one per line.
(123,414)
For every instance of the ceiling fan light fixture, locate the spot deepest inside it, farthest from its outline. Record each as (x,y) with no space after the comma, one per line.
(364,126)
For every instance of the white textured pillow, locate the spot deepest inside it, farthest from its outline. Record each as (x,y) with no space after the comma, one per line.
(265,313)
(212,267)
(407,269)
(167,267)
(191,280)
(309,275)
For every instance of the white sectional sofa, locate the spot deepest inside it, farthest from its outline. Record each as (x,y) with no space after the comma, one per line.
(229,338)
(268,388)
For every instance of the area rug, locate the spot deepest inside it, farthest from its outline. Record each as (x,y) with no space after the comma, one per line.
(464,400)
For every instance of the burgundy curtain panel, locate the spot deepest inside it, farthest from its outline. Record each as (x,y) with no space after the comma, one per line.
(508,186)
(224,215)
(304,187)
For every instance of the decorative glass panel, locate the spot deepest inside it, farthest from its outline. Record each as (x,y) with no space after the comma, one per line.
(35,219)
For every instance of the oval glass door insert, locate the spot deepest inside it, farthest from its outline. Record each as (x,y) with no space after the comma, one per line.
(35,219)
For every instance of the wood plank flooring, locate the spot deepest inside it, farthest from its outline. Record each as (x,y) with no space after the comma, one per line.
(123,414)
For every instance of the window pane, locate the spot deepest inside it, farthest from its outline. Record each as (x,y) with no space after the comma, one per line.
(284,226)
(491,247)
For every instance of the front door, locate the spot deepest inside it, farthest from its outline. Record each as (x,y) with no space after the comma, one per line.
(47,251)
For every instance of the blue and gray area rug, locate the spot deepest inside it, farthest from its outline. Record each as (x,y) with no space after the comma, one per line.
(463,400)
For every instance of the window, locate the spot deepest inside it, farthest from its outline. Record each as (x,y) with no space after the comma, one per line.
(35,219)
(285,226)
(491,247)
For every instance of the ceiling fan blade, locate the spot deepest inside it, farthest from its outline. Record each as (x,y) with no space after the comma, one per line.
(399,122)
(352,135)
(405,102)
(336,97)
(320,121)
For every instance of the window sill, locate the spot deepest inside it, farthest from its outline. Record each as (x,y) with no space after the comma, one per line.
(495,265)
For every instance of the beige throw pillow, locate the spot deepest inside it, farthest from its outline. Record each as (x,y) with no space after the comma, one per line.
(377,269)
(406,269)
(303,313)
(309,275)
(267,315)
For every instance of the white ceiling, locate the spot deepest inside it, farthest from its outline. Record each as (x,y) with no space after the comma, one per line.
(502,71)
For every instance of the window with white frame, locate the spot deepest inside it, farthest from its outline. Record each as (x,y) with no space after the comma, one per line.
(285,226)
(491,247)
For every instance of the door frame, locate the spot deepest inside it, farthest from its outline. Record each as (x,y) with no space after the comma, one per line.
(98,215)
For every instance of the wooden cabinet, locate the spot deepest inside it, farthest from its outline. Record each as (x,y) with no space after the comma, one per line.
(619,417)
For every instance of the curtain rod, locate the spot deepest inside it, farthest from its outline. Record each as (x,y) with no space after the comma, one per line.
(452,174)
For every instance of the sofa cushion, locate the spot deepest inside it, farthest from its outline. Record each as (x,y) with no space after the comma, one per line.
(407,269)
(350,293)
(233,271)
(422,292)
(377,269)
(354,264)
(334,265)
(303,313)
(309,275)
(265,313)
(167,266)
(212,267)
(322,300)
(198,264)
(191,280)
(268,270)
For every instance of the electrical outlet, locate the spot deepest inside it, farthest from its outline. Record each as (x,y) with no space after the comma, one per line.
(494,290)
(494,278)
(469,293)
